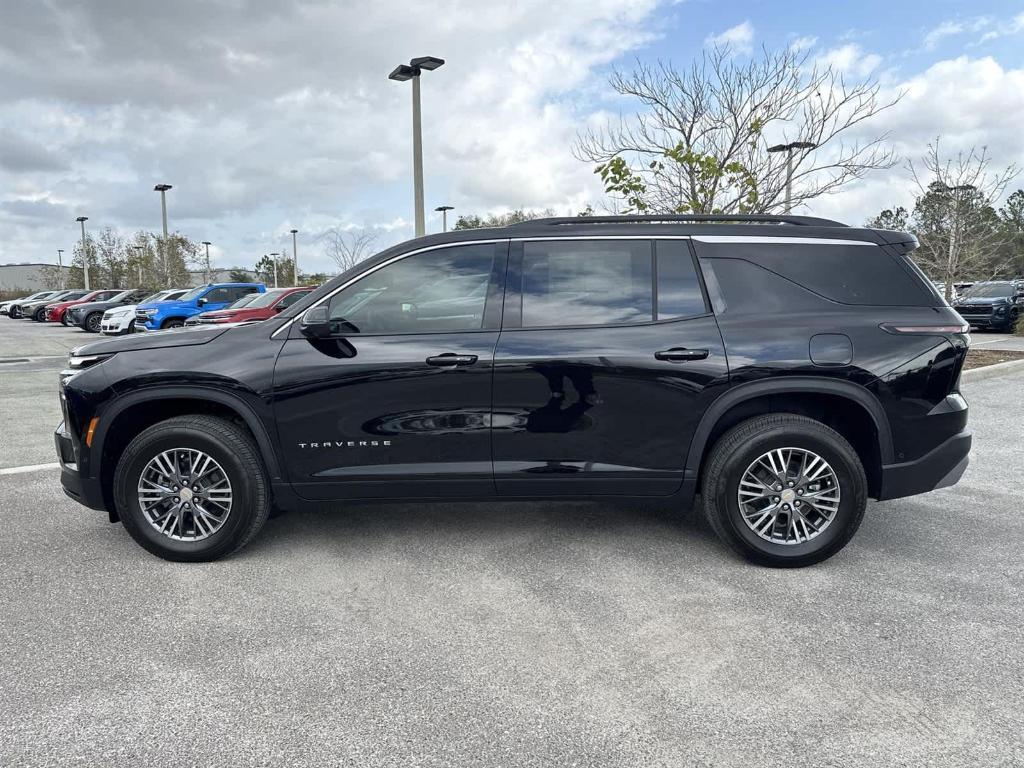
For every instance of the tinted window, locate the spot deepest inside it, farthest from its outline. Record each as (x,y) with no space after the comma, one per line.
(679,293)
(587,282)
(218,296)
(290,299)
(438,291)
(849,274)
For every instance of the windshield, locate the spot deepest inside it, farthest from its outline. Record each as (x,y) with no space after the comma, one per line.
(195,293)
(989,290)
(121,295)
(266,299)
(246,301)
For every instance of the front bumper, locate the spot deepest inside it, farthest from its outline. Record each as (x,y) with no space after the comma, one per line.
(118,324)
(84,490)
(941,467)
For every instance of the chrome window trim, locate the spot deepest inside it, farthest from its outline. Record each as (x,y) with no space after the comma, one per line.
(787,240)
(642,236)
(383,264)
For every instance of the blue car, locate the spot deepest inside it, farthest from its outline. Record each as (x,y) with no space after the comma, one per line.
(160,315)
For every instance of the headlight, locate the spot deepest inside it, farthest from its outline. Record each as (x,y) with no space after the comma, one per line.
(81,362)
(146,312)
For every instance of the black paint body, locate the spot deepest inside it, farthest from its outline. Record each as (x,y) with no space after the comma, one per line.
(577,412)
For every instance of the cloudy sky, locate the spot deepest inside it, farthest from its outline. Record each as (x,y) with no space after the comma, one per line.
(272,114)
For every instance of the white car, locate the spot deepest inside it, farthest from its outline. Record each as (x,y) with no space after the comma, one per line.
(5,307)
(122,319)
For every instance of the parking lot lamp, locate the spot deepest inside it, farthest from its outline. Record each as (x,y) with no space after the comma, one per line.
(295,255)
(60,268)
(274,256)
(401,73)
(444,215)
(788,149)
(207,244)
(162,189)
(85,251)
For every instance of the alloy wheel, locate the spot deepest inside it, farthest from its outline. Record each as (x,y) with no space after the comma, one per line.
(185,494)
(788,495)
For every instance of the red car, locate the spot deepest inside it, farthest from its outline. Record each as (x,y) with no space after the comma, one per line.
(264,305)
(55,312)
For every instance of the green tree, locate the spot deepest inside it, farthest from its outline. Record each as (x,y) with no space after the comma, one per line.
(896,219)
(699,140)
(961,234)
(473,221)
(239,276)
(285,273)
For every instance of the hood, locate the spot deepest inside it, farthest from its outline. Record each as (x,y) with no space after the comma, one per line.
(985,300)
(91,306)
(189,336)
(175,304)
(121,307)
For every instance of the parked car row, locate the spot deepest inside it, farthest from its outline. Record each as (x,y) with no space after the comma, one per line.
(119,311)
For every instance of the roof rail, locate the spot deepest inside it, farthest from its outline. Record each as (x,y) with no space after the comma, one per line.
(673,218)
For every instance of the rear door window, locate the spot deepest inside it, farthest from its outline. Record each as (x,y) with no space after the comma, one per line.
(586,282)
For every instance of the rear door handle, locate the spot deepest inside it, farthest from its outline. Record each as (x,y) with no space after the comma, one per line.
(681,354)
(450,360)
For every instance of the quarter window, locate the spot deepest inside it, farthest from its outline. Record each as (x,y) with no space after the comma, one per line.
(439,291)
(581,282)
(679,293)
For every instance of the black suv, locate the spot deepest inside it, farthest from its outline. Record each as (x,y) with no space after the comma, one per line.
(785,368)
(994,304)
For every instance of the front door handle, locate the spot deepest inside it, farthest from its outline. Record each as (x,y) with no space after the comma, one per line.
(450,360)
(681,354)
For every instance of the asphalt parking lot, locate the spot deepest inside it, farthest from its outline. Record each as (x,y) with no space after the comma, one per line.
(507,634)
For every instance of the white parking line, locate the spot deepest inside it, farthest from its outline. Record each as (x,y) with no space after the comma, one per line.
(27,468)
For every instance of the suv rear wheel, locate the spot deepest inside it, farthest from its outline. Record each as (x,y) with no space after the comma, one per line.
(784,490)
(192,488)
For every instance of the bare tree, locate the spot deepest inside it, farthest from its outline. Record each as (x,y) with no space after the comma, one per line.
(700,142)
(955,219)
(348,247)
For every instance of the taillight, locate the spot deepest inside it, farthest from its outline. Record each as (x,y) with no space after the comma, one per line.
(925,329)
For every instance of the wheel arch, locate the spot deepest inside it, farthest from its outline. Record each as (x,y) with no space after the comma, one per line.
(136,411)
(807,395)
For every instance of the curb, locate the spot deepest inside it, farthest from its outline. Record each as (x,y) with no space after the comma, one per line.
(991,371)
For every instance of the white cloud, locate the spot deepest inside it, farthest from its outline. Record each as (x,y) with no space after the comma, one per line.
(739,38)
(273,115)
(967,101)
(849,59)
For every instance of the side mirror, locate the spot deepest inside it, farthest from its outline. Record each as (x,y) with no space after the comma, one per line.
(200,302)
(315,323)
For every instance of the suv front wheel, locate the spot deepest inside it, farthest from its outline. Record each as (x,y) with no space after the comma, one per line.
(784,490)
(192,488)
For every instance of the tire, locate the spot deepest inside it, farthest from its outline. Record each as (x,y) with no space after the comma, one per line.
(92,322)
(40,315)
(740,448)
(174,322)
(14,313)
(230,447)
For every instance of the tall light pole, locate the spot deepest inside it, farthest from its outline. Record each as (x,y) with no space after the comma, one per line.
(60,268)
(162,189)
(207,244)
(401,73)
(788,149)
(275,255)
(85,251)
(295,255)
(444,215)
